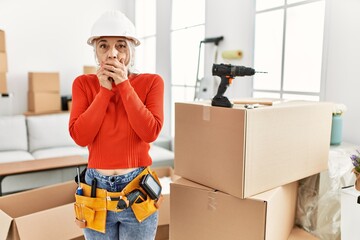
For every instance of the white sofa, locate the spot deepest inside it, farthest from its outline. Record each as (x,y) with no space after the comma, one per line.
(25,138)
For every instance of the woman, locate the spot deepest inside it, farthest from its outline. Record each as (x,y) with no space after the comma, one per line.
(117,114)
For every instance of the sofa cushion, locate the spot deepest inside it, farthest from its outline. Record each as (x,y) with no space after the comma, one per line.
(60,152)
(47,131)
(161,157)
(15,156)
(13,135)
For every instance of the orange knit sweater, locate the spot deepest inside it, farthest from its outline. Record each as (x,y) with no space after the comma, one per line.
(117,125)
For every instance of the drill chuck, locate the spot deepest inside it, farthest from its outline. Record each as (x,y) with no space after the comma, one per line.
(231,70)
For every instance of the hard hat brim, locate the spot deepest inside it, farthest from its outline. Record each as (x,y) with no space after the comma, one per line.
(136,41)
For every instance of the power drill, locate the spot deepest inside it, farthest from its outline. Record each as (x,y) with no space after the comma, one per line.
(227,73)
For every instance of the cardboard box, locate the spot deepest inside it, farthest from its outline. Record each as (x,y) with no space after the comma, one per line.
(44,81)
(162,232)
(3,62)
(2,41)
(199,212)
(89,69)
(300,234)
(164,211)
(44,213)
(244,152)
(350,213)
(3,83)
(44,101)
(69,105)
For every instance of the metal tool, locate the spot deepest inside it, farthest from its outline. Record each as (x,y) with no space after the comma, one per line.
(79,190)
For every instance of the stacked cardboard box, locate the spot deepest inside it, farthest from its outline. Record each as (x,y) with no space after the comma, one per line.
(44,92)
(5,97)
(89,69)
(240,167)
(3,63)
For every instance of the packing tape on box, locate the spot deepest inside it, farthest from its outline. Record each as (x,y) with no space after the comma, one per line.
(206,113)
(212,201)
(232,54)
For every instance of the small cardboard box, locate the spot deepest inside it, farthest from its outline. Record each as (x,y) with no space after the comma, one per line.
(3,62)
(44,101)
(350,213)
(43,213)
(89,69)
(44,81)
(3,83)
(244,152)
(2,41)
(69,104)
(164,210)
(199,212)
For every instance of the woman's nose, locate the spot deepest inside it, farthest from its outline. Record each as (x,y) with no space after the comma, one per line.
(113,53)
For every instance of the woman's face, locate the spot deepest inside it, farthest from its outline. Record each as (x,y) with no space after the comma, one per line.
(107,48)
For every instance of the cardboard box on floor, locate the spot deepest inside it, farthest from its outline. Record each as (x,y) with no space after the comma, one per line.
(43,213)
(164,210)
(199,212)
(44,81)
(247,151)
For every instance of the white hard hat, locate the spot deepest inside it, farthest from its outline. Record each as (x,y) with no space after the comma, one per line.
(113,24)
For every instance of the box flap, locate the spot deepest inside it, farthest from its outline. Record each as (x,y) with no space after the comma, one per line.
(261,101)
(56,223)
(186,183)
(5,222)
(24,203)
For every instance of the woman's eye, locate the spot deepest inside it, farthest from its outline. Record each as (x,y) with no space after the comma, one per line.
(121,46)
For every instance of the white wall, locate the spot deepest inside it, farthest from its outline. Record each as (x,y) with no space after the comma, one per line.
(343,64)
(235,20)
(43,35)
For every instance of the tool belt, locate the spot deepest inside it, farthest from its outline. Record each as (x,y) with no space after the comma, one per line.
(91,212)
